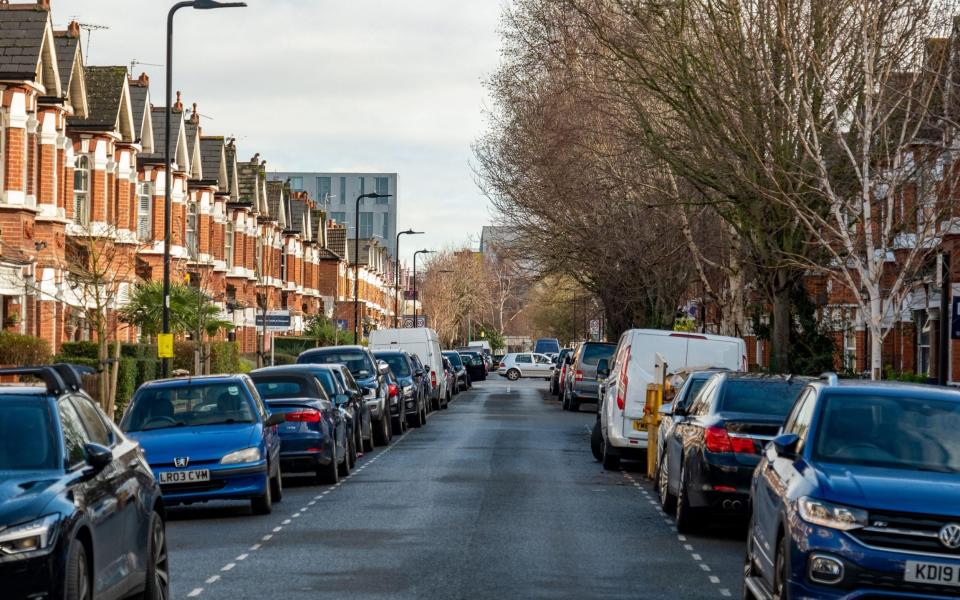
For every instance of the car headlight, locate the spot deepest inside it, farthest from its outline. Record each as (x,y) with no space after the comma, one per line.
(241,456)
(408,390)
(29,537)
(835,516)
(369,393)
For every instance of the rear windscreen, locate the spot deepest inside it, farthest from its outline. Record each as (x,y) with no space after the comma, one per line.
(774,398)
(592,353)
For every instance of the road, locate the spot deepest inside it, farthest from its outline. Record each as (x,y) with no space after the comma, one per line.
(497,497)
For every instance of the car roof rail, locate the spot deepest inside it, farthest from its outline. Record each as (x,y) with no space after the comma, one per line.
(830,377)
(46,373)
(70,376)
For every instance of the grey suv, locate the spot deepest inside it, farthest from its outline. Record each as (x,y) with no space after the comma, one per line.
(580,383)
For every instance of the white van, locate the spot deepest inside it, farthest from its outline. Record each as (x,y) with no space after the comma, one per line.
(425,343)
(484,345)
(623,389)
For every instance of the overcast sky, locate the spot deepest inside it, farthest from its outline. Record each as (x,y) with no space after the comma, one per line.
(329,85)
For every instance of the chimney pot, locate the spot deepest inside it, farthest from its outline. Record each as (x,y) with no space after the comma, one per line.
(144,79)
(73,29)
(178,105)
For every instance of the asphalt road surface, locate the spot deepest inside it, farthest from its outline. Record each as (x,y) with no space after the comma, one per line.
(497,497)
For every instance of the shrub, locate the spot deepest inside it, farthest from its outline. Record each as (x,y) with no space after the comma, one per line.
(183,355)
(224,357)
(19,350)
(126,383)
(282,358)
(79,349)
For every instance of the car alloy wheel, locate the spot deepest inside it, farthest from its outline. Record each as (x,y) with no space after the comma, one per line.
(513,374)
(78,576)
(344,467)
(687,517)
(276,487)
(596,441)
(749,571)
(263,505)
(781,573)
(668,502)
(158,571)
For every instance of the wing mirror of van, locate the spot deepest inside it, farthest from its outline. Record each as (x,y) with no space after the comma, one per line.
(603,368)
(418,373)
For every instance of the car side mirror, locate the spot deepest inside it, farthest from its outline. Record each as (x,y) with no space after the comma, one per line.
(786,444)
(274,419)
(603,368)
(667,409)
(341,399)
(97,456)
(418,373)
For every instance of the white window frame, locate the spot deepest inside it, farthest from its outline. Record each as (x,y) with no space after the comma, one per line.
(191,238)
(228,240)
(145,210)
(81,196)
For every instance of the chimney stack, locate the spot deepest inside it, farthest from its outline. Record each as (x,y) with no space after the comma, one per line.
(178,105)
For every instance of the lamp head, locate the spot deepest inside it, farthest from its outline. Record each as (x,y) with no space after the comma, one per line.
(209,4)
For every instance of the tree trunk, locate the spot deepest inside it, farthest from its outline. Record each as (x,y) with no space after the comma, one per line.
(875,324)
(114,376)
(780,335)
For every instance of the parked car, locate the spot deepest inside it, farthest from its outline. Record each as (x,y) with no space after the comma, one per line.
(451,375)
(462,381)
(425,343)
(579,384)
(339,380)
(208,438)
(423,380)
(398,417)
(317,436)
(414,400)
(81,515)
(475,366)
(624,380)
(545,345)
(495,361)
(561,362)
(526,364)
(859,496)
(363,366)
(715,446)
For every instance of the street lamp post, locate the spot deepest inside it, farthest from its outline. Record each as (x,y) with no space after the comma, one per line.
(415,282)
(396,275)
(356,263)
(168,179)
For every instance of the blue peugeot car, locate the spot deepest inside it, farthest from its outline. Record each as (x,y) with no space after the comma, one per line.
(859,496)
(208,438)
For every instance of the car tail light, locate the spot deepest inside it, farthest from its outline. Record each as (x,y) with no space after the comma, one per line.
(393,389)
(307,415)
(718,440)
(624,380)
(433,378)
(579,375)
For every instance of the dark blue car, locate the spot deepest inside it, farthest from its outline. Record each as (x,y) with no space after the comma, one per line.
(208,438)
(859,496)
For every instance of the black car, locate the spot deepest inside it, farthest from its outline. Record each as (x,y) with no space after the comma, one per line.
(709,459)
(337,380)
(81,515)
(317,436)
(463,378)
(423,380)
(672,412)
(408,379)
(363,366)
(475,365)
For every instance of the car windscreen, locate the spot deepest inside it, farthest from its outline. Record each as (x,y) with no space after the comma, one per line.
(398,363)
(29,436)
(355,360)
(162,407)
(592,353)
(770,398)
(693,388)
(272,388)
(454,358)
(890,432)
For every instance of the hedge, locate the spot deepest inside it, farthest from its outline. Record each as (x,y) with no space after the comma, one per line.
(19,350)
(224,357)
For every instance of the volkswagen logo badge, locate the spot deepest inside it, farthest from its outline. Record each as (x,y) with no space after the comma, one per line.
(182,461)
(950,536)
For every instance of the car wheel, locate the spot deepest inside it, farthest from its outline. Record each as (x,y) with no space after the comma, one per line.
(513,374)
(396,426)
(782,572)
(77,586)
(368,443)
(263,505)
(157,585)
(417,420)
(688,518)
(276,487)
(668,502)
(596,442)
(352,452)
(446,404)
(344,467)
(564,403)
(611,461)
(380,434)
(573,405)
(749,571)
(329,473)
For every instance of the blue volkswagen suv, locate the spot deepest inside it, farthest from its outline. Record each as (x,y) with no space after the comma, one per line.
(859,496)
(208,438)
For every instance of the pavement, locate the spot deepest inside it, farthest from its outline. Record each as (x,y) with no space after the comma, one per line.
(496,497)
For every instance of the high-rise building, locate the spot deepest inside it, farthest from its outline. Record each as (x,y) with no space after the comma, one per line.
(337,193)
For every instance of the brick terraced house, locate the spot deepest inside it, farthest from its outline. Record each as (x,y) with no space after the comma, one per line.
(82,183)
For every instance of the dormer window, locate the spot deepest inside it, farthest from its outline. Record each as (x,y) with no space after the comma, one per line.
(81,191)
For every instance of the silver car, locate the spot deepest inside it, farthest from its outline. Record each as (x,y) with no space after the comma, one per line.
(580,383)
(526,364)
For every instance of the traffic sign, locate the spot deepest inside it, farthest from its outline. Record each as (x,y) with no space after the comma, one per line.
(342,324)
(409,324)
(594,327)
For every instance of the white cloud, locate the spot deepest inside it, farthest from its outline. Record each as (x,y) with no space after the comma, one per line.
(328,84)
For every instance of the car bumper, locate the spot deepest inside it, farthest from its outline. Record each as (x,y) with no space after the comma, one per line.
(721,485)
(227,482)
(868,572)
(637,440)
(584,395)
(38,578)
